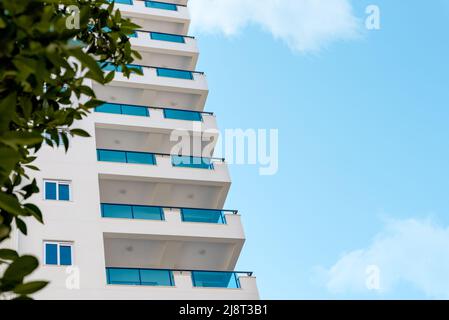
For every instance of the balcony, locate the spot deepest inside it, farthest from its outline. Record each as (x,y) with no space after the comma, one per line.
(172,88)
(165,179)
(164,237)
(145,158)
(177,284)
(156,15)
(154,277)
(138,212)
(167,50)
(143,128)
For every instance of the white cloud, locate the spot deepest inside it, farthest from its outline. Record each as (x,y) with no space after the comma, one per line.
(414,253)
(305,25)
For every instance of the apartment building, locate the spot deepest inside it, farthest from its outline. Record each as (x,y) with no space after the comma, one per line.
(125,216)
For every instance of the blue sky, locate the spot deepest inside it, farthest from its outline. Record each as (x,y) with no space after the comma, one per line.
(363,124)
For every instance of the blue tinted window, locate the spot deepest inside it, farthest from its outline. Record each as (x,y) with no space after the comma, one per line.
(116,211)
(123,276)
(133,35)
(51,253)
(161,5)
(192,162)
(135,110)
(50,190)
(166,37)
(65,255)
(203,216)
(210,279)
(141,158)
(109,108)
(148,213)
(64,192)
(111,156)
(182,115)
(171,73)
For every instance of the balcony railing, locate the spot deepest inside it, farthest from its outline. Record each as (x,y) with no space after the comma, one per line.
(123,211)
(134,110)
(126,157)
(160,72)
(167,37)
(138,212)
(124,109)
(140,277)
(192,162)
(215,279)
(157,277)
(150,159)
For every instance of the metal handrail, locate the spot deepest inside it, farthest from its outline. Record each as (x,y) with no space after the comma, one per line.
(170,207)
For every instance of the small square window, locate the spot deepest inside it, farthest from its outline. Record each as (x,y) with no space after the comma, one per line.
(58,253)
(57,190)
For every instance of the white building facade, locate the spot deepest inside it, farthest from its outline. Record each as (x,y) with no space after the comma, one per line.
(125,217)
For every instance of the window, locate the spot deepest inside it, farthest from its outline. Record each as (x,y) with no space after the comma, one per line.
(57,190)
(58,253)
(166,37)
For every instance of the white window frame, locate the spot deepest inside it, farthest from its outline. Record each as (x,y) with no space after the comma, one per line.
(58,182)
(58,259)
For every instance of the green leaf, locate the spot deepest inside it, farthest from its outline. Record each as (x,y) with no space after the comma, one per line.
(79,132)
(95,72)
(20,268)
(109,77)
(8,159)
(65,141)
(7,109)
(35,211)
(21,225)
(8,254)
(10,204)
(4,231)
(14,138)
(30,287)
